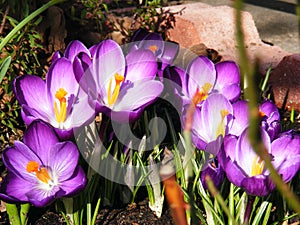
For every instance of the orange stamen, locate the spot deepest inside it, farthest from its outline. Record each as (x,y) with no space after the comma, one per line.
(32,166)
(202,94)
(153,48)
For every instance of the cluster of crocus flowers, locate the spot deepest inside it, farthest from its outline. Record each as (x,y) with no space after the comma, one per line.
(220,125)
(83,82)
(41,168)
(79,84)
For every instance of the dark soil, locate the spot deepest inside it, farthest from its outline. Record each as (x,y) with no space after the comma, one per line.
(132,214)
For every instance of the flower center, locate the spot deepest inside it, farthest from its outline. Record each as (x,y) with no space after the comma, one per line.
(112,97)
(153,48)
(257,166)
(61,111)
(221,126)
(40,172)
(201,94)
(261,114)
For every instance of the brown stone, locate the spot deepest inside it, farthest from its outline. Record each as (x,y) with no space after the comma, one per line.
(214,26)
(285,83)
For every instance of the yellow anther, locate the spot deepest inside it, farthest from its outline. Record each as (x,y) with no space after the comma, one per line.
(112,98)
(153,48)
(257,166)
(41,173)
(61,111)
(206,88)
(224,112)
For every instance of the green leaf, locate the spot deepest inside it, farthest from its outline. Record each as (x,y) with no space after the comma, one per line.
(4,67)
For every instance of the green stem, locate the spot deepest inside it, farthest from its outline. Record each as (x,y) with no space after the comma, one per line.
(216,194)
(243,59)
(68,203)
(24,213)
(9,36)
(13,214)
(248,209)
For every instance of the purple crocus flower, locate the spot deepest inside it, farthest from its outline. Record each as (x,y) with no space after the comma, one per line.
(246,170)
(228,80)
(203,77)
(58,101)
(211,123)
(74,49)
(199,80)
(41,169)
(164,52)
(270,118)
(214,171)
(121,86)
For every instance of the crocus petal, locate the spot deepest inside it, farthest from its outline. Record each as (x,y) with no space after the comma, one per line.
(175,77)
(212,116)
(40,137)
(140,93)
(16,187)
(108,60)
(258,186)
(270,110)
(141,65)
(74,48)
(214,172)
(31,90)
(74,184)
(153,41)
(83,74)
(40,198)
(201,71)
(60,75)
(57,55)
(82,112)
(234,173)
(227,74)
(170,52)
(16,159)
(227,151)
(286,155)
(214,146)
(65,134)
(30,114)
(245,153)
(240,117)
(231,92)
(63,160)
(124,116)
(139,35)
